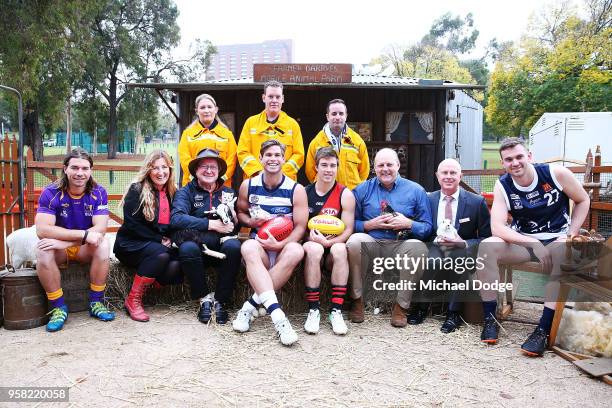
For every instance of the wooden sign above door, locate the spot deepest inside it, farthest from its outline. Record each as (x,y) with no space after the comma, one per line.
(303,73)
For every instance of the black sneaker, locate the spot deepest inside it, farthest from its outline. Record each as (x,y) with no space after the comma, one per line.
(452,322)
(417,316)
(205,312)
(221,315)
(489,330)
(535,344)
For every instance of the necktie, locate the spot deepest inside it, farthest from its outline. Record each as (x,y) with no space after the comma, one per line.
(448,210)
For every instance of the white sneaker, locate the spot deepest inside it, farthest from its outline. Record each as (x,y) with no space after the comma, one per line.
(337,322)
(242,322)
(312,321)
(286,334)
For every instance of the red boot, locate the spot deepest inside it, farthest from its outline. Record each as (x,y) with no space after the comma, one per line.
(133,303)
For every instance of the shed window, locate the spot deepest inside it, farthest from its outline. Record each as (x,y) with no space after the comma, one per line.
(409,127)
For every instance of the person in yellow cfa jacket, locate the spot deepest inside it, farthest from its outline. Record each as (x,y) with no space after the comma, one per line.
(207,131)
(272,123)
(354,166)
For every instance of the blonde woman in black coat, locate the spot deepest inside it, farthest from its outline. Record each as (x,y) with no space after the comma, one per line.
(142,241)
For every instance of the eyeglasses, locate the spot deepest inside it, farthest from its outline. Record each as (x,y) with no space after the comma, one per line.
(208,168)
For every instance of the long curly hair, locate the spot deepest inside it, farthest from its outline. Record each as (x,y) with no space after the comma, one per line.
(147,187)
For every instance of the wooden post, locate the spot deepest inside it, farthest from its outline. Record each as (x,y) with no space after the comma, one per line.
(595,196)
(29,192)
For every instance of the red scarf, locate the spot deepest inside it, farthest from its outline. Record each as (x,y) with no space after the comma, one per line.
(164,208)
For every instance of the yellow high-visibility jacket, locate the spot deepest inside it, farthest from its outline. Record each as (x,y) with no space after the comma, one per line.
(196,137)
(354,166)
(257,130)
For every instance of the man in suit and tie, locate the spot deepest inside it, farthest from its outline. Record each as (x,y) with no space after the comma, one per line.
(469,214)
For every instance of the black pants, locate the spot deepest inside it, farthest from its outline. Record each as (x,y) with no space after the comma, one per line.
(454,298)
(193,265)
(153,261)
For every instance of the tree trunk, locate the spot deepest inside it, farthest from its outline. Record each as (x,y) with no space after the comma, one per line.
(112,119)
(68,126)
(31,130)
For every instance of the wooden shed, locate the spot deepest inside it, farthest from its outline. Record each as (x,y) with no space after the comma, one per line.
(407,114)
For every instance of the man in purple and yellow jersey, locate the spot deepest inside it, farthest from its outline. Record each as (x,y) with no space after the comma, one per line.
(71,220)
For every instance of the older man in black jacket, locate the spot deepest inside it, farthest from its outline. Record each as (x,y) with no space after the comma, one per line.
(470,217)
(191,211)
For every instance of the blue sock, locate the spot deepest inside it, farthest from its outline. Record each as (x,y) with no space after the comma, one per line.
(547,319)
(489,308)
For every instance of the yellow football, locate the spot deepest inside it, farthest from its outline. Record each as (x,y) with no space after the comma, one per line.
(326,224)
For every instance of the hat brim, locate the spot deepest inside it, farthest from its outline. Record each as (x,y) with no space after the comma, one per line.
(193,165)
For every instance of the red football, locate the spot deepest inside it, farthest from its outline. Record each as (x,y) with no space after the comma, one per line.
(279,227)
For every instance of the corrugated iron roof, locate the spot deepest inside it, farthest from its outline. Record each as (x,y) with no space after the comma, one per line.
(358,81)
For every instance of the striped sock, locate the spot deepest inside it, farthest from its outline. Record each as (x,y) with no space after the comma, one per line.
(56,299)
(313,298)
(96,292)
(254,300)
(270,302)
(337,297)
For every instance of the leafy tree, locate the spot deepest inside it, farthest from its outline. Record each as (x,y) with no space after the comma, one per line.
(455,34)
(134,40)
(562,64)
(41,49)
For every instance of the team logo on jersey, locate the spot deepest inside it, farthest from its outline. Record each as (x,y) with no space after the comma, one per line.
(253,199)
(532,195)
(546,187)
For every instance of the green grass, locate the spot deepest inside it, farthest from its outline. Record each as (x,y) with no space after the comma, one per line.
(491,155)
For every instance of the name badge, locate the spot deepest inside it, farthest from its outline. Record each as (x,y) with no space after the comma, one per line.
(462,220)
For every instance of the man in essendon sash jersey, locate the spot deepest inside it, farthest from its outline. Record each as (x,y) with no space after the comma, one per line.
(537,197)
(327,196)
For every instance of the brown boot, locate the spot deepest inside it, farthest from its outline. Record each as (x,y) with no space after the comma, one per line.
(398,316)
(356,314)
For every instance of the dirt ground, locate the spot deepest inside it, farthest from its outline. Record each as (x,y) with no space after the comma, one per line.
(176,361)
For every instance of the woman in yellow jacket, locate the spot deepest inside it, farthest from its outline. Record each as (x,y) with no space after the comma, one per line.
(207,131)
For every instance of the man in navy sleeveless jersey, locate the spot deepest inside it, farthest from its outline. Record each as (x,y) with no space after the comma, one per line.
(537,197)
(327,196)
(269,263)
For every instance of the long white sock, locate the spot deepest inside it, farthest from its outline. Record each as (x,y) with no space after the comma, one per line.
(270,302)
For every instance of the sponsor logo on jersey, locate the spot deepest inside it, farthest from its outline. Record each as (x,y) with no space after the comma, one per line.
(532,194)
(546,187)
(517,204)
(329,211)
(514,197)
